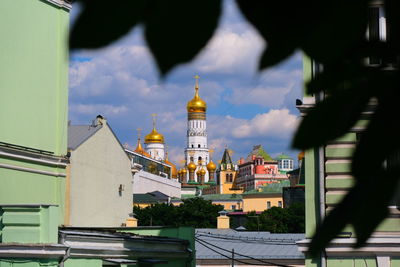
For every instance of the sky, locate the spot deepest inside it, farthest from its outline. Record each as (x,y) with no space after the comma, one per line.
(245,107)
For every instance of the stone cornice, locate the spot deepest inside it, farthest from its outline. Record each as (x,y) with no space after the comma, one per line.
(60,3)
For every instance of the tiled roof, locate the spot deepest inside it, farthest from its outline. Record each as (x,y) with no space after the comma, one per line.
(258,150)
(272,188)
(78,134)
(144,199)
(283,156)
(260,245)
(222,197)
(226,158)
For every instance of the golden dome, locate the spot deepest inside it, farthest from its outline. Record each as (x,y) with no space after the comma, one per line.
(211,167)
(196,104)
(202,172)
(191,166)
(174,171)
(139,149)
(184,171)
(154,136)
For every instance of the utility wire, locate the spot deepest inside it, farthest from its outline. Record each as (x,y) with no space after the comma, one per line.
(202,242)
(230,258)
(254,240)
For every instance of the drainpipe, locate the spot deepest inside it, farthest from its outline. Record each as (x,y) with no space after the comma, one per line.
(67,252)
(321,168)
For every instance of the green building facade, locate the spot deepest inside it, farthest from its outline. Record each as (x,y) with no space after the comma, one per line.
(33,103)
(328,178)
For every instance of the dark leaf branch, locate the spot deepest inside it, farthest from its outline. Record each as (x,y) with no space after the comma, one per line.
(330,32)
(175,31)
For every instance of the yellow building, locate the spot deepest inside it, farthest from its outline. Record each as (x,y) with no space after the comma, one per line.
(226,176)
(264,198)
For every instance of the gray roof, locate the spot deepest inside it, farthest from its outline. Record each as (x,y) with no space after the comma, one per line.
(260,245)
(77,134)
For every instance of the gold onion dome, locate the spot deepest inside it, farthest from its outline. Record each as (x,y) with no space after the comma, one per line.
(183,171)
(191,166)
(202,172)
(196,104)
(154,136)
(211,166)
(198,172)
(139,149)
(174,171)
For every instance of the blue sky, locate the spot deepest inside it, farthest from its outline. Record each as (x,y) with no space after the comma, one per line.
(245,107)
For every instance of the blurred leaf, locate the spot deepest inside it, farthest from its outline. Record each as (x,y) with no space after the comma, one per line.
(311,25)
(177,30)
(102,22)
(338,33)
(331,118)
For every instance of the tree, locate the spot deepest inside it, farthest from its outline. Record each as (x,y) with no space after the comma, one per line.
(157,214)
(330,32)
(195,212)
(278,220)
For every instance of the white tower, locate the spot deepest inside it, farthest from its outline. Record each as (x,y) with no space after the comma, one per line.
(197,150)
(154,142)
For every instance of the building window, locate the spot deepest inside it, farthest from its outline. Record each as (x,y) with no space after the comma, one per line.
(280,204)
(198,145)
(191,158)
(192,146)
(268,204)
(233,207)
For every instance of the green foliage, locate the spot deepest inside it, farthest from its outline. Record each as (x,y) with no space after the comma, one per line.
(330,32)
(278,220)
(157,215)
(195,212)
(199,213)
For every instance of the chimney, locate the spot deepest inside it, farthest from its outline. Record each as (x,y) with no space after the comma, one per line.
(131,221)
(100,120)
(223,220)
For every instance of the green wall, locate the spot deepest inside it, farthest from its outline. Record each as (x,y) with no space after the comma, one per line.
(34,97)
(15,262)
(34,73)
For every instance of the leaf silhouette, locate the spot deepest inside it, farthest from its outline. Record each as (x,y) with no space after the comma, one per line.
(101,23)
(177,30)
(322,125)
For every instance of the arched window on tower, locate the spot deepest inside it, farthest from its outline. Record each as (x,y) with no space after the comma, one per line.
(200,159)
(231,177)
(192,146)
(227,178)
(198,145)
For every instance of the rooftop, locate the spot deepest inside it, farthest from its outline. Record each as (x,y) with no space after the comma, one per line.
(272,188)
(260,245)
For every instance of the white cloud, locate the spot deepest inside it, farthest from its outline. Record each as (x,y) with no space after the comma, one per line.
(275,123)
(95,109)
(231,52)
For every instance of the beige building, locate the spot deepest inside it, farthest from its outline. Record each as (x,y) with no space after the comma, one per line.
(99,179)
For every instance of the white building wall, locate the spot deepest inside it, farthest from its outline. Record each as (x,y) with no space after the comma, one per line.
(144,182)
(156,150)
(98,167)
